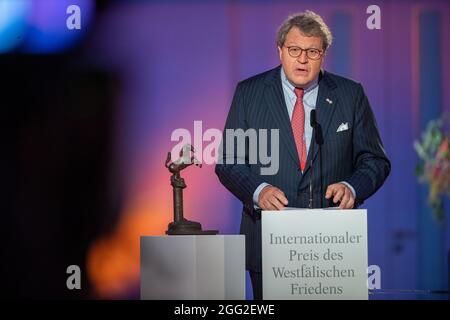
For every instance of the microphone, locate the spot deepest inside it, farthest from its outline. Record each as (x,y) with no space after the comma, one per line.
(318,139)
(313,124)
(312,118)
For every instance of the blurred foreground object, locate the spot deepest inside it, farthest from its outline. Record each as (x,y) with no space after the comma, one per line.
(434,163)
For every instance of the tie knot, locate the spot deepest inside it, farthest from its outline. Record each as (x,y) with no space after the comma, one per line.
(299,92)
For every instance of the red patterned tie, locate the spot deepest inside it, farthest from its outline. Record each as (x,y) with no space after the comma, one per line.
(298,127)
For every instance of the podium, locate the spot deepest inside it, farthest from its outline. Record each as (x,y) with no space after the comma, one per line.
(193,267)
(314,254)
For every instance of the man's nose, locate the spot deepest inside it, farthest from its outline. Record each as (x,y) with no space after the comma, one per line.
(302,58)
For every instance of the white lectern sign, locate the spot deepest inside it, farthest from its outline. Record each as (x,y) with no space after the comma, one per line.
(314,254)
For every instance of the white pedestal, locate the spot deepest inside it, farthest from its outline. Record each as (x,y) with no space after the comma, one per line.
(205,267)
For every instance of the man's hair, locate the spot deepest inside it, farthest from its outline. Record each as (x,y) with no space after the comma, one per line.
(310,24)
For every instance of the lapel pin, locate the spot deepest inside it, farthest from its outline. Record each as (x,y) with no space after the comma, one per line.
(329,101)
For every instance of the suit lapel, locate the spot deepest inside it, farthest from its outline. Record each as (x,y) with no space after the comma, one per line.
(277,105)
(326,104)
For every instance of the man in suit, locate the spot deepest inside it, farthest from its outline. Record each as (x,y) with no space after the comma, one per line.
(349,159)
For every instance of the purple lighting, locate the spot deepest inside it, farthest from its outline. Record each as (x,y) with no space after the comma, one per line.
(48,31)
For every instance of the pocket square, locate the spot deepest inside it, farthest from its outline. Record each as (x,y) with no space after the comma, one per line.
(342,127)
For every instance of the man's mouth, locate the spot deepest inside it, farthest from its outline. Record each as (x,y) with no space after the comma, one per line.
(301,71)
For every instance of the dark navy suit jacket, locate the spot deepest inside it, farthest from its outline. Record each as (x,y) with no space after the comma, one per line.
(355,155)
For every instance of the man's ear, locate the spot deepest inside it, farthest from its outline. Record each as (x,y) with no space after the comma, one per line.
(279,52)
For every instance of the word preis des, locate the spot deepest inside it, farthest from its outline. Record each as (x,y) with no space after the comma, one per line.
(311,255)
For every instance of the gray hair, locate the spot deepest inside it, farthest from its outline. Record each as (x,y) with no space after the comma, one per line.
(310,24)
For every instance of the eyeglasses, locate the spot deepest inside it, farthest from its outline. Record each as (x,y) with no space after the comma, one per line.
(311,53)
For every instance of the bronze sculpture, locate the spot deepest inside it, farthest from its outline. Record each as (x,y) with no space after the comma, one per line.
(180,225)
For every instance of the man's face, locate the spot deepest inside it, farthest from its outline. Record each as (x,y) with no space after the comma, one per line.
(302,70)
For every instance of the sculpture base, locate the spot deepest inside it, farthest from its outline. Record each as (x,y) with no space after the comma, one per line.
(186,227)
